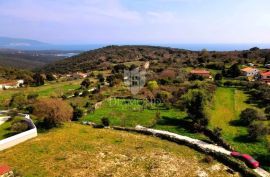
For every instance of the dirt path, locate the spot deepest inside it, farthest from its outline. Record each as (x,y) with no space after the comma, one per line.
(202,144)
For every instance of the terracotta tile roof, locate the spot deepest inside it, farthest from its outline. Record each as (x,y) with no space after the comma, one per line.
(4,169)
(199,72)
(248,69)
(9,83)
(265,73)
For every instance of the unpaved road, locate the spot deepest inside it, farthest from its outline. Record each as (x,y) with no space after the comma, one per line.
(202,144)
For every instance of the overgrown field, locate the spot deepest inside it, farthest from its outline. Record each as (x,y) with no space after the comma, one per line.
(77,150)
(227,106)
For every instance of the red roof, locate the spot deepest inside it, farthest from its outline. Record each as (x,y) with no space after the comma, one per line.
(9,83)
(199,72)
(266,73)
(4,169)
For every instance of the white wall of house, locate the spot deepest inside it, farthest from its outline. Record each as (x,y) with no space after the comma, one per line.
(251,73)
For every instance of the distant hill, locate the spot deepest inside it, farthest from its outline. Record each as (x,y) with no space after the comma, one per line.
(17,43)
(105,58)
(29,44)
(31,59)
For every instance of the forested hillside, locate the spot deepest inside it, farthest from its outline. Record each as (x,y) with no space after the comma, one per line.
(106,57)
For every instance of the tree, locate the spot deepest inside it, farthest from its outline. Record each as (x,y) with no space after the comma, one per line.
(267,58)
(248,115)
(152,85)
(38,79)
(101,78)
(53,112)
(85,83)
(194,102)
(27,79)
(218,77)
(133,66)
(257,131)
(105,121)
(234,70)
(77,113)
(50,77)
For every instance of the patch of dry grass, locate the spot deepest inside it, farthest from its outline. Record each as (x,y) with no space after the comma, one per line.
(77,150)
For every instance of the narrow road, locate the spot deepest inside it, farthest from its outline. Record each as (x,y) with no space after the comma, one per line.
(200,143)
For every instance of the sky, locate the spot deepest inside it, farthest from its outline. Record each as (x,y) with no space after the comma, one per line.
(137,21)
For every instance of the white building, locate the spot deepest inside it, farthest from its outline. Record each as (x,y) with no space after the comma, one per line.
(250,72)
(11,84)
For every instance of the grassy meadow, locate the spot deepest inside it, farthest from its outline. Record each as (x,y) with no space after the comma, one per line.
(49,89)
(85,151)
(227,106)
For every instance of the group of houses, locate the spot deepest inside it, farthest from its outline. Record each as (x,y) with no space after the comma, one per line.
(255,74)
(11,84)
(250,72)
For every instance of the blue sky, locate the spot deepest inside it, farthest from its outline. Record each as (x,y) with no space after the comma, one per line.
(137,21)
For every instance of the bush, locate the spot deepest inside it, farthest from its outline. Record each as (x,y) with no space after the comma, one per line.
(267,110)
(32,97)
(19,126)
(77,113)
(218,77)
(217,131)
(13,113)
(248,115)
(85,83)
(152,85)
(208,159)
(53,112)
(105,122)
(18,100)
(257,131)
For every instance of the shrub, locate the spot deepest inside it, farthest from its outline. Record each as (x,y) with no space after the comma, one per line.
(105,122)
(218,77)
(217,131)
(152,85)
(13,113)
(77,113)
(18,100)
(53,112)
(257,131)
(267,110)
(50,77)
(208,159)
(248,115)
(38,79)
(85,83)
(19,126)
(76,93)
(32,97)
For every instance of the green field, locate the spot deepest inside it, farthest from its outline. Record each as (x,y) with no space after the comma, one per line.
(129,113)
(50,89)
(77,150)
(4,130)
(227,106)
